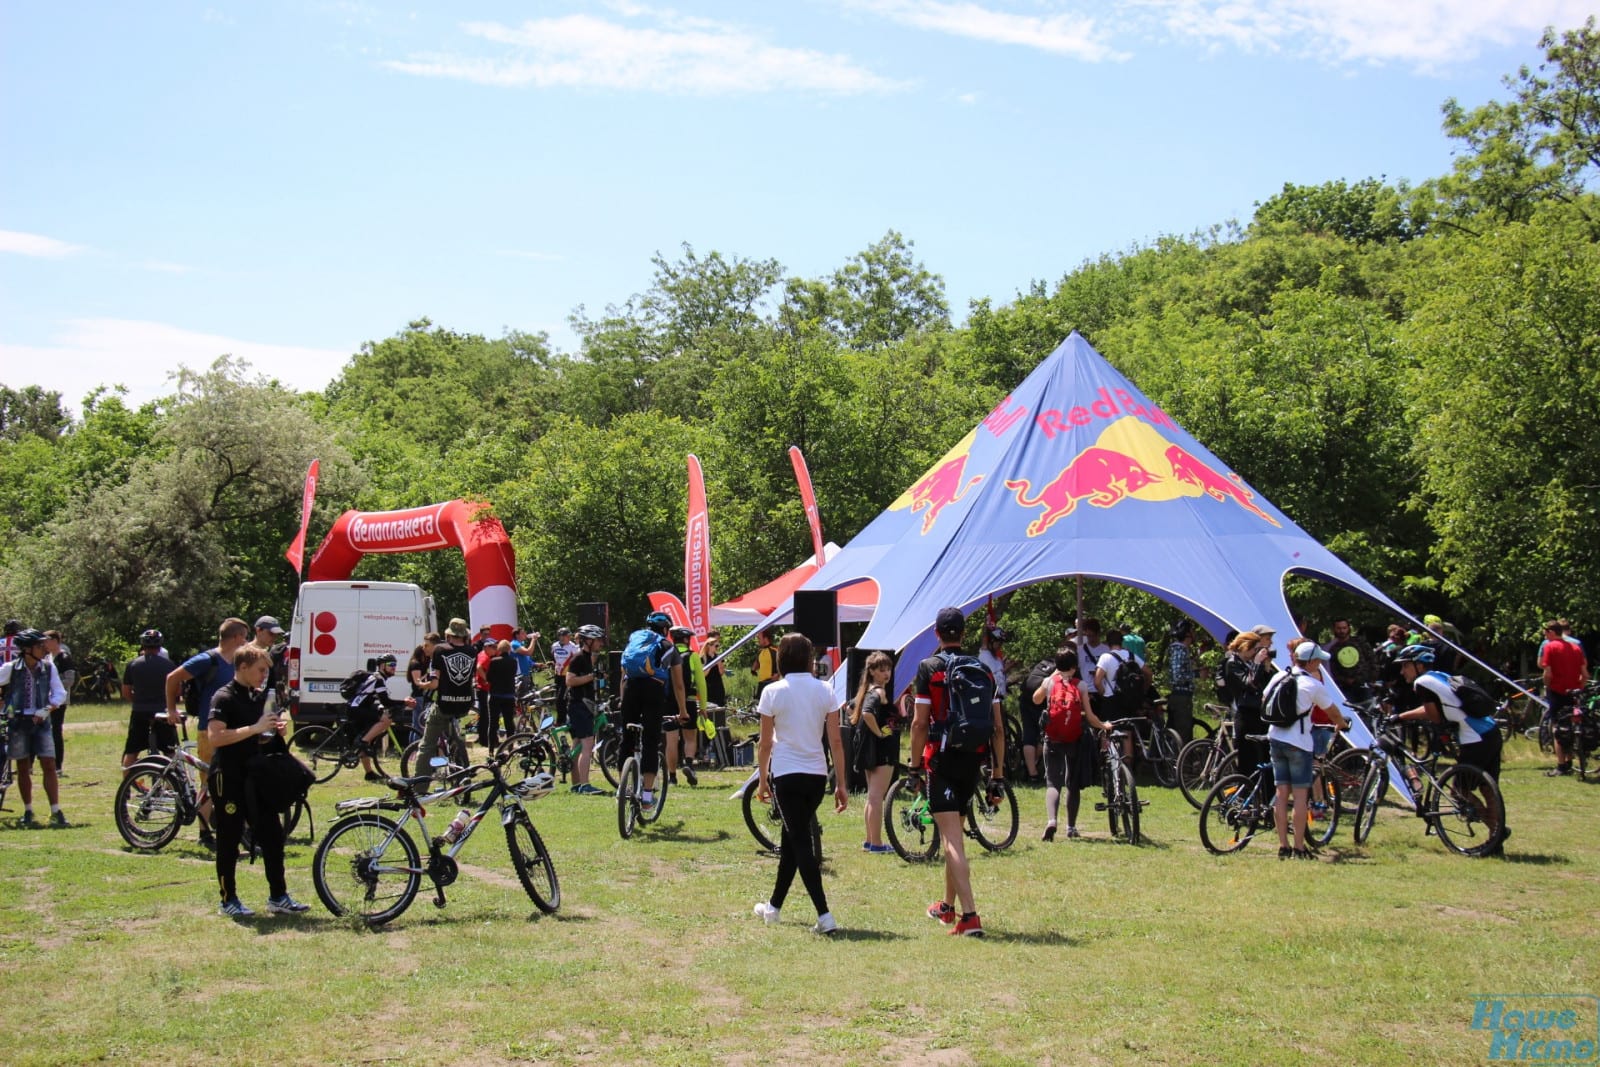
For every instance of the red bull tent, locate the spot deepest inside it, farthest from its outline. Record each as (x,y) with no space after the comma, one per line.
(1078,473)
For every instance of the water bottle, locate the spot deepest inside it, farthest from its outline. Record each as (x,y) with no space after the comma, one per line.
(457,826)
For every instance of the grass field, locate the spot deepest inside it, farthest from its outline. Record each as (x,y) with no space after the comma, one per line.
(1096,952)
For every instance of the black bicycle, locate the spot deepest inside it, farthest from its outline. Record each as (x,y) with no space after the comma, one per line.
(631,808)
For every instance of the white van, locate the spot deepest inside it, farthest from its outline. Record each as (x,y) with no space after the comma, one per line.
(338,627)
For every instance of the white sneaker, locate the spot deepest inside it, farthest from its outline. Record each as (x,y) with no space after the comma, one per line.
(766,912)
(825,924)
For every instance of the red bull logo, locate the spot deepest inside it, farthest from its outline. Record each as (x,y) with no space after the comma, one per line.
(944,484)
(1101,476)
(1129,459)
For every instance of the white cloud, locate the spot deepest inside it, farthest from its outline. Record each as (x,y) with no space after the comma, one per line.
(672,54)
(141,355)
(33,244)
(1063,33)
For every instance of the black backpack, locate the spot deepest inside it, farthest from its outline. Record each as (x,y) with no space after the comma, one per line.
(1280,704)
(969,703)
(1129,683)
(351,687)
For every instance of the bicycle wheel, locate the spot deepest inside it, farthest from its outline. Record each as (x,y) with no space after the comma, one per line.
(1467,811)
(1320,831)
(528,752)
(1110,784)
(628,798)
(367,866)
(1129,801)
(1371,796)
(608,754)
(1349,769)
(1164,757)
(535,869)
(908,823)
(322,749)
(994,825)
(762,819)
(649,813)
(1228,816)
(1194,769)
(149,806)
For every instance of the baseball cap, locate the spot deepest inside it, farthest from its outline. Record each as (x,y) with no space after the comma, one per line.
(458,627)
(267,622)
(950,621)
(1310,650)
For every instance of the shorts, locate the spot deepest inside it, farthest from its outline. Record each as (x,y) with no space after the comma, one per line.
(30,737)
(1069,763)
(143,729)
(580,718)
(1321,739)
(954,779)
(1030,725)
(1291,766)
(873,752)
(1484,755)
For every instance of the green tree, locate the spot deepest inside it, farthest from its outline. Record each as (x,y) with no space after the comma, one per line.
(1367,211)
(31,412)
(882,295)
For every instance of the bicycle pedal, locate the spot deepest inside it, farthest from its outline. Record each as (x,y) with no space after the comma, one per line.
(1100,806)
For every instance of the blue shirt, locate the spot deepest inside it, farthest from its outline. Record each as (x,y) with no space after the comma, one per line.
(211,671)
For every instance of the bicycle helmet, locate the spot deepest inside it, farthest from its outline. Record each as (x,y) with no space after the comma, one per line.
(681,633)
(385,660)
(590,632)
(658,621)
(1414,654)
(28,638)
(151,639)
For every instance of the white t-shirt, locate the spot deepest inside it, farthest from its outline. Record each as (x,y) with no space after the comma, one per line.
(1310,693)
(1109,662)
(1437,685)
(996,668)
(798,705)
(1088,656)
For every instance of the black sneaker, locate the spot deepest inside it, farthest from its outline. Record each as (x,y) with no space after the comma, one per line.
(689,775)
(208,839)
(374,776)
(1560,770)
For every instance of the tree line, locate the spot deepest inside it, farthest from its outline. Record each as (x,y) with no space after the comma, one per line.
(1409,371)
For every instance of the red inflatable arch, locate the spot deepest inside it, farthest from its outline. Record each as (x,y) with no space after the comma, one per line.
(491,566)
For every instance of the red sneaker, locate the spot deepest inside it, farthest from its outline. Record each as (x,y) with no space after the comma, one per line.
(943,912)
(972,927)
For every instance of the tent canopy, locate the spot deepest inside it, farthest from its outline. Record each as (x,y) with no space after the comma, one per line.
(1078,473)
(856,601)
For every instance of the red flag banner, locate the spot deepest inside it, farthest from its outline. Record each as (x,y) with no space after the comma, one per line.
(808,500)
(697,552)
(296,553)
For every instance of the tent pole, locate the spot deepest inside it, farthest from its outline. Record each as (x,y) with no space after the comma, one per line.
(1078,618)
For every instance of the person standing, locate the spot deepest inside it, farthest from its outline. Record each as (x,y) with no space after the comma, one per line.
(1069,748)
(560,653)
(582,705)
(33,690)
(210,671)
(268,630)
(877,730)
(8,644)
(953,775)
(1292,748)
(450,681)
(1246,670)
(67,671)
(417,671)
(796,712)
(765,668)
(1566,672)
(1351,662)
(1091,646)
(144,687)
(239,724)
(1180,681)
(688,721)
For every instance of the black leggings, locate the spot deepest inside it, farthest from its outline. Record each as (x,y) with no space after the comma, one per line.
(641,703)
(58,719)
(799,796)
(229,812)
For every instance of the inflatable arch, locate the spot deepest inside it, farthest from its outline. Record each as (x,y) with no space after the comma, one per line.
(491,566)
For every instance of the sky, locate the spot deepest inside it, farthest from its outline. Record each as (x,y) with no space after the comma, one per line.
(285,181)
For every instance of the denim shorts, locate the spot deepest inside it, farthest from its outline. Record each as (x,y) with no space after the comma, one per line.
(30,737)
(1321,739)
(1291,766)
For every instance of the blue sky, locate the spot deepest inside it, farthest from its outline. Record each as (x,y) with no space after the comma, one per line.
(284,181)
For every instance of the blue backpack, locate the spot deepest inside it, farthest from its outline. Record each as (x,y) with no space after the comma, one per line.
(642,657)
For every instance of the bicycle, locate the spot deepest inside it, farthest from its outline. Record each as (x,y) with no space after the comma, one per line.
(1460,804)
(765,822)
(328,749)
(991,816)
(369,866)
(1579,729)
(1121,804)
(5,759)
(452,748)
(631,810)
(1205,761)
(1157,744)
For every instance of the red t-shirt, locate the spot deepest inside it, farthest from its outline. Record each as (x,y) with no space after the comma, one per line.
(1566,662)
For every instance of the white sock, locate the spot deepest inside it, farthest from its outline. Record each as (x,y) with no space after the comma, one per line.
(55,809)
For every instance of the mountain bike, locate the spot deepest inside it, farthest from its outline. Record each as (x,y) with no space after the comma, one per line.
(1155,744)
(1240,806)
(631,810)
(1461,805)
(452,748)
(328,749)
(369,866)
(1205,761)
(1578,729)
(992,818)
(1121,804)
(765,822)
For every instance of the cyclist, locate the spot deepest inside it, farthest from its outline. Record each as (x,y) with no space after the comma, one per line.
(33,691)
(649,693)
(1566,672)
(694,687)
(144,687)
(1477,739)
(369,710)
(580,689)
(1069,753)
(953,775)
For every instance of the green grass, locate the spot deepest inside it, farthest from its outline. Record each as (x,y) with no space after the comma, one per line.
(1097,952)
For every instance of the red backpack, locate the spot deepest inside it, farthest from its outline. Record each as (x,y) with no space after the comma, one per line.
(1063,716)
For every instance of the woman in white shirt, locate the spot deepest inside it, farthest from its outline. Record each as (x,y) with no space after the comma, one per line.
(795,711)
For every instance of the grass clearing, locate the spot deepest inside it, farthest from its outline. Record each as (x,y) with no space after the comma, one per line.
(1096,952)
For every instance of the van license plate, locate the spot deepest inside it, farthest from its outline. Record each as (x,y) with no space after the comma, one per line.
(324,687)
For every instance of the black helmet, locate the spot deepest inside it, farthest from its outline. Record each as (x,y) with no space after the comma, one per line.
(590,632)
(1181,629)
(151,639)
(1415,654)
(28,638)
(681,633)
(386,660)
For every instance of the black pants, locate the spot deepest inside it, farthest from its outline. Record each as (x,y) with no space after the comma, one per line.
(799,796)
(561,699)
(230,811)
(502,712)
(642,703)
(1251,753)
(1180,714)
(57,719)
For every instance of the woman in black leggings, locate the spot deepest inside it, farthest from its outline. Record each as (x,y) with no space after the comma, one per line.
(795,711)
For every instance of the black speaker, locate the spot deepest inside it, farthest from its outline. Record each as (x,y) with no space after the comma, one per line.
(816,614)
(613,669)
(595,615)
(857,664)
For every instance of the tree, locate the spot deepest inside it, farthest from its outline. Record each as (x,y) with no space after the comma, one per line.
(31,412)
(1367,211)
(882,295)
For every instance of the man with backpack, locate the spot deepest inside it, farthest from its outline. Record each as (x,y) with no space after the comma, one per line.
(957,728)
(1068,750)
(197,679)
(1121,678)
(652,688)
